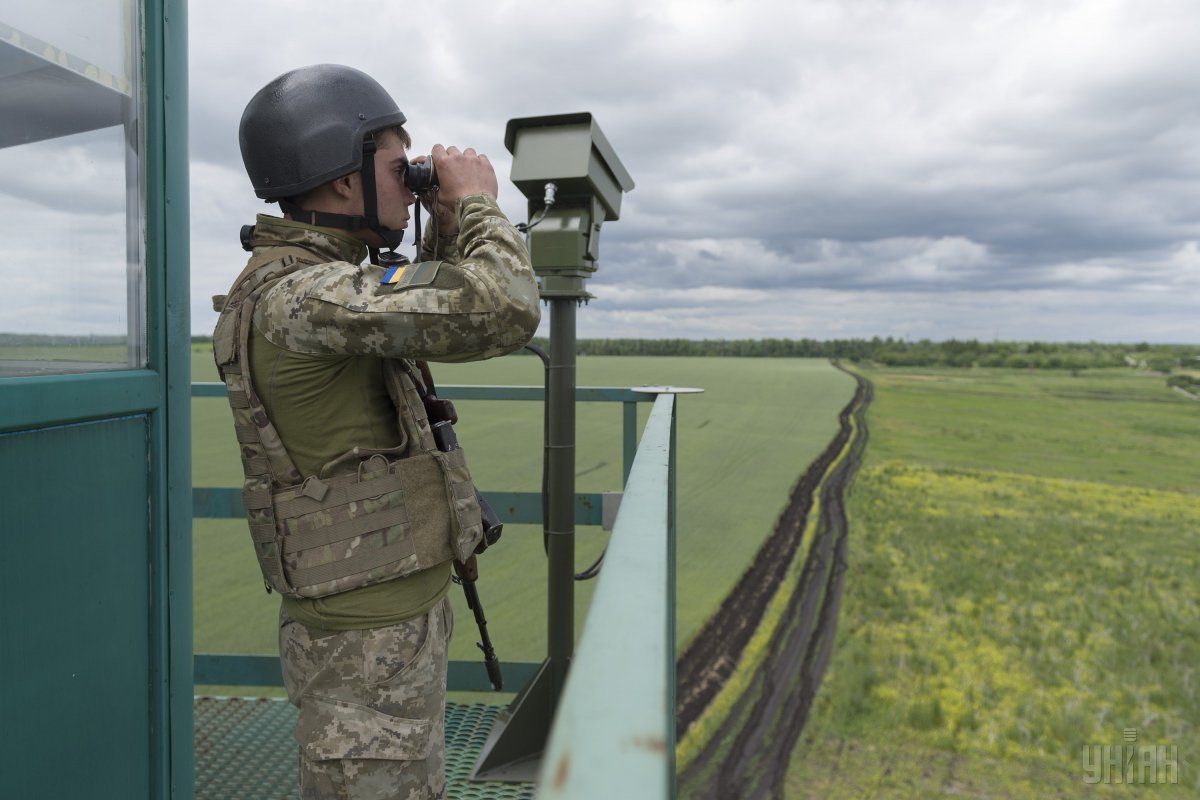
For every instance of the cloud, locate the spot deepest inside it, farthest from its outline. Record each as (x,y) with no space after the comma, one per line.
(83,173)
(65,273)
(917,164)
(921,149)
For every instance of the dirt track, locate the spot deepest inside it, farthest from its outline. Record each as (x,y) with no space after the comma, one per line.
(747,757)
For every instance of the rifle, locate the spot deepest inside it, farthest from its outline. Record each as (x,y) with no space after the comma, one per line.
(466,575)
(442,417)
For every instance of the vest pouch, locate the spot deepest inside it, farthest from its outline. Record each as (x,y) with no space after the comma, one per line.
(468,519)
(225,337)
(257,499)
(387,520)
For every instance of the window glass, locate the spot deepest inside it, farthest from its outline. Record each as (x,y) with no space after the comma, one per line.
(71,200)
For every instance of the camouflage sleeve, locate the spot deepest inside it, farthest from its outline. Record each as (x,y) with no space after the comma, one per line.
(444,248)
(484,305)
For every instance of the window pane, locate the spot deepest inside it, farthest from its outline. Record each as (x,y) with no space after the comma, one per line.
(71,203)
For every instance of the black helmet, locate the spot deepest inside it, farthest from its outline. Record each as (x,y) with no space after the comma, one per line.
(307,127)
(313,125)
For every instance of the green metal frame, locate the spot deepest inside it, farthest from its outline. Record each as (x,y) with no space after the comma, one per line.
(517,507)
(522,508)
(583,394)
(169,354)
(614,731)
(159,392)
(62,399)
(618,704)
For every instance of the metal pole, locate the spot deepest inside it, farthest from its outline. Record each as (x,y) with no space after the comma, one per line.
(561,488)
(514,747)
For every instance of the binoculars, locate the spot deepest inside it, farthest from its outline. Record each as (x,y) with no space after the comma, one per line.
(420,178)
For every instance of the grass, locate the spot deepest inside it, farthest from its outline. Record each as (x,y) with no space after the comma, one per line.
(1115,426)
(741,446)
(1024,551)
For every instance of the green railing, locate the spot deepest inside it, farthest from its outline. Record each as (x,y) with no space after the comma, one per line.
(594,508)
(614,731)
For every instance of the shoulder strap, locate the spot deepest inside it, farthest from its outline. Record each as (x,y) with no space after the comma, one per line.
(262,450)
(263,432)
(405,389)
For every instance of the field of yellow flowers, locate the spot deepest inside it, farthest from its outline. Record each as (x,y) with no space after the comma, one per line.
(1022,587)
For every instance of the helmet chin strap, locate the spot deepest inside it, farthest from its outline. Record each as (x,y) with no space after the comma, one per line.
(391,238)
(369,219)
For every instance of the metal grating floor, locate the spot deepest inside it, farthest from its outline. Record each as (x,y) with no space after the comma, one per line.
(245,750)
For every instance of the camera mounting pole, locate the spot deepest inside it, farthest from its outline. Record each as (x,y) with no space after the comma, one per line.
(571,154)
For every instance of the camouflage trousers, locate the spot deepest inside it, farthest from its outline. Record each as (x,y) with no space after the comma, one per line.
(372,707)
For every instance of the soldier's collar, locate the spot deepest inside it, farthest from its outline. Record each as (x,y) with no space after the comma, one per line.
(328,243)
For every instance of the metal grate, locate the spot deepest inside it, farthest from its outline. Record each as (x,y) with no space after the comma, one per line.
(245,751)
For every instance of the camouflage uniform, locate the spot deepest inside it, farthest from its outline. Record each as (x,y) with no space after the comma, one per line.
(372,694)
(372,706)
(481,302)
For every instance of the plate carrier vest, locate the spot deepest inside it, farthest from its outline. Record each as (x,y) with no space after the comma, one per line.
(370,515)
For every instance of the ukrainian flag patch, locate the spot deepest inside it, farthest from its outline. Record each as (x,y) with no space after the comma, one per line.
(408,276)
(394,274)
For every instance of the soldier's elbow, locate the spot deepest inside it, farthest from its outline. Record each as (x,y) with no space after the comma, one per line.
(530,318)
(517,325)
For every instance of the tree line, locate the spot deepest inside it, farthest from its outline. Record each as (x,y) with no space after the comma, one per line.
(894,352)
(890,351)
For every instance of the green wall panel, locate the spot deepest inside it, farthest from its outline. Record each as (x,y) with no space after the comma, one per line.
(74,637)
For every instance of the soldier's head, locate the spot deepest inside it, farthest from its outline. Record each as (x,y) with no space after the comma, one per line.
(327,143)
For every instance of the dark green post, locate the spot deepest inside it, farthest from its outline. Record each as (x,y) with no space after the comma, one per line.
(574,182)
(560,618)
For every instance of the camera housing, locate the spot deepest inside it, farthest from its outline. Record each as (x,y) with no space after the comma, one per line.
(570,151)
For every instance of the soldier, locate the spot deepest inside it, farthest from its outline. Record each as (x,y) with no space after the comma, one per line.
(354,513)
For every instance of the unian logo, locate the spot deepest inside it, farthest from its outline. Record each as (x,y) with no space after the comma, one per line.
(1130,762)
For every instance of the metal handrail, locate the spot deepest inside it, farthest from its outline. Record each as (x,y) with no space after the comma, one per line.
(614,731)
(240,669)
(628,398)
(460,391)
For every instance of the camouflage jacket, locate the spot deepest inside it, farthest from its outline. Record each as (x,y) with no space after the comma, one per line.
(330,322)
(480,301)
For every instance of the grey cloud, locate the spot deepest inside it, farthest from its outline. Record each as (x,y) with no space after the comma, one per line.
(930,150)
(64,273)
(83,174)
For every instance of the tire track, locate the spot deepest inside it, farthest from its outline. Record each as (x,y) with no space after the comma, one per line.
(748,754)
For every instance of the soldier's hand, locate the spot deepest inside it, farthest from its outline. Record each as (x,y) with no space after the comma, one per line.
(463,173)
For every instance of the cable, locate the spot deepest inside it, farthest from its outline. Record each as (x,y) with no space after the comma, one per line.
(594,569)
(547,201)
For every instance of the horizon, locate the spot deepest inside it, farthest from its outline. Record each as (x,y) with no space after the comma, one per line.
(195,338)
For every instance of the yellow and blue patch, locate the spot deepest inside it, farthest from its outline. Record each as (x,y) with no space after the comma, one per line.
(403,276)
(395,274)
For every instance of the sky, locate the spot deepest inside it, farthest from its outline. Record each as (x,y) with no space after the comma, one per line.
(908,168)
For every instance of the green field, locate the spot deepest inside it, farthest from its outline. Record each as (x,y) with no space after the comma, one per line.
(741,446)
(1022,584)
(1116,426)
